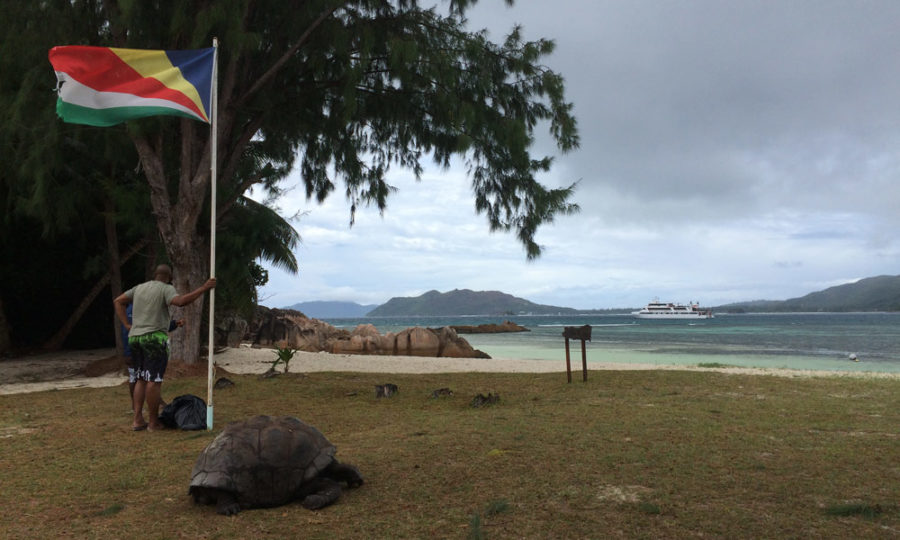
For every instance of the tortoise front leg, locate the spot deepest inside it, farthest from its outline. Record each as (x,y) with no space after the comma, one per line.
(226,504)
(319,493)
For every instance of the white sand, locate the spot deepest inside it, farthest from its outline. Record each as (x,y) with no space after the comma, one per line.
(62,370)
(247,360)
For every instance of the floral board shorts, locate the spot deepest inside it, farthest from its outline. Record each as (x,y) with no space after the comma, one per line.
(149,357)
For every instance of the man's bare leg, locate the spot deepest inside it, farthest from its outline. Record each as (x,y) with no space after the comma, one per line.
(137,405)
(154,395)
(130,371)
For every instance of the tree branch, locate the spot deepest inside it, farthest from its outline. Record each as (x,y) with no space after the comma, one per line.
(237,152)
(156,178)
(268,75)
(55,342)
(233,200)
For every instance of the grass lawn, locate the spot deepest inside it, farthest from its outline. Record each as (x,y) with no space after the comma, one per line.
(632,454)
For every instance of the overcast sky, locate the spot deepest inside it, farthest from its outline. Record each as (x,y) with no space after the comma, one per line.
(730,151)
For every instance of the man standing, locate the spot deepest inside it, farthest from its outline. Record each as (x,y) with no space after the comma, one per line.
(148,339)
(126,351)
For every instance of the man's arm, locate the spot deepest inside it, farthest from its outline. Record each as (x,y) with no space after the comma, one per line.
(121,304)
(185,299)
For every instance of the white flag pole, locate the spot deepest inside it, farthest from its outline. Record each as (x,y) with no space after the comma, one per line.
(212,230)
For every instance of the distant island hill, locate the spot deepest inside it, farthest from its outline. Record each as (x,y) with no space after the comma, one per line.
(881,293)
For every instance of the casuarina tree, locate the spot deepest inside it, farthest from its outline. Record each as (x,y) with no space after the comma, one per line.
(342,91)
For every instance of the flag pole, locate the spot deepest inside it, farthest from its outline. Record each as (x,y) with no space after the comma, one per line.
(212,231)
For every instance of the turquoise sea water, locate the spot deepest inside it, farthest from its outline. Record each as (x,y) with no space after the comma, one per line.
(813,341)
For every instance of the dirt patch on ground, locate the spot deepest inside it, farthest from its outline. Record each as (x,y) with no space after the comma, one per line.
(104,366)
(58,365)
(61,369)
(79,369)
(178,369)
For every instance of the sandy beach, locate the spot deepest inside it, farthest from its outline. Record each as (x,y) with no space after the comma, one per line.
(66,369)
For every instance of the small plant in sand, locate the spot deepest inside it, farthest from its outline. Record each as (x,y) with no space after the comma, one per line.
(283,355)
(714,365)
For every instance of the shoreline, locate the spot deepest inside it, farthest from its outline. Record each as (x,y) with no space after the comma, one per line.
(65,369)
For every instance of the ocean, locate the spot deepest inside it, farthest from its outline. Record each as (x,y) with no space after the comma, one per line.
(808,341)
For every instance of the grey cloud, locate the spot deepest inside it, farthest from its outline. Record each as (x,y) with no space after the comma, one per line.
(708,104)
(756,139)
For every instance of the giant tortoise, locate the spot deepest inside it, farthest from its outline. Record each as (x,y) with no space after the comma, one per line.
(269,461)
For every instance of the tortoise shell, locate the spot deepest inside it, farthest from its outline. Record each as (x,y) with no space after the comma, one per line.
(263,461)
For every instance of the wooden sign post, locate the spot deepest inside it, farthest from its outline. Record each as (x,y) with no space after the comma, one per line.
(582,333)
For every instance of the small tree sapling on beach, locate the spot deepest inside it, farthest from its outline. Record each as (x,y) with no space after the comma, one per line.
(283,354)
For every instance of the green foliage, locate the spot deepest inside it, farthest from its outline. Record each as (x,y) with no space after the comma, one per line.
(283,355)
(112,510)
(338,92)
(476,531)
(713,365)
(355,88)
(59,185)
(649,508)
(248,232)
(496,507)
(476,523)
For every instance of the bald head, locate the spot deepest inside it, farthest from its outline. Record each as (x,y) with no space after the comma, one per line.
(163,273)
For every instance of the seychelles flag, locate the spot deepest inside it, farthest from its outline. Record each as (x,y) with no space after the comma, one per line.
(104,86)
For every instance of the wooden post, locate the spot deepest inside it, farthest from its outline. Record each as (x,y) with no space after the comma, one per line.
(583,362)
(582,333)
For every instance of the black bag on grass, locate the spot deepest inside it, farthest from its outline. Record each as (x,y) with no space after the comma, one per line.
(186,412)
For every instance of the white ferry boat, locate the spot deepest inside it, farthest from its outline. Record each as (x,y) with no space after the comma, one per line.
(673,312)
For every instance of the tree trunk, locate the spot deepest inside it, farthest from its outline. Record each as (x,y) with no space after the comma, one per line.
(189,268)
(5,341)
(177,221)
(115,267)
(55,342)
(177,224)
